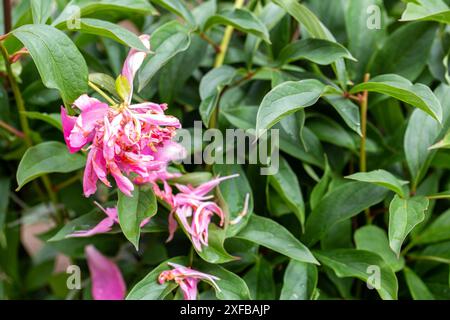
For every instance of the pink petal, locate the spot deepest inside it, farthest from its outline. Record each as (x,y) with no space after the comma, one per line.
(170,151)
(68,122)
(208,186)
(89,177)
(133,62)
(102,227)
(123,183)
(107,280)
(189,288)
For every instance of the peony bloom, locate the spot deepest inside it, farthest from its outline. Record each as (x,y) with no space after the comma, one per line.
(194,204)
(124,139)
(187,279)
(107,280)
(103,226)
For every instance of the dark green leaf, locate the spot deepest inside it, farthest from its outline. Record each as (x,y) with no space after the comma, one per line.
(300,281)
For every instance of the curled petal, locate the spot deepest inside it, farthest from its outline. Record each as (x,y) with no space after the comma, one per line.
(123,183)
(107,280)
(189,288)
(102,227)
(133,62)
(89,177)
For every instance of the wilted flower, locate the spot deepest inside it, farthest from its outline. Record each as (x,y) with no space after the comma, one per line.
(194,203)
(103,226)
(187,279)
(107,280)
(124,138)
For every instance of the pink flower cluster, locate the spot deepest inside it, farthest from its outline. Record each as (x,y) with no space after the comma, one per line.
(187,279)
(134,143)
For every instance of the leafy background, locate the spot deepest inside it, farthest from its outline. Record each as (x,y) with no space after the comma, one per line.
(358,184)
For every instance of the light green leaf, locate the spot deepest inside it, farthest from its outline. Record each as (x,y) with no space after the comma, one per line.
(111,30)
(287,98)
(47,157)
(178,7)
(359,264)
(60,64)
(300,281)
(382,178)
(341,203)
(427,10)
(166,41)
(82,8)
(316,50)
(374,239)
(416,286)
(133,210)
(348,111)
(215,80)
(242,20)
(104,82)
(438,230)
(272,235)
(41,10)
(404,215)
(444,143)
(417,95)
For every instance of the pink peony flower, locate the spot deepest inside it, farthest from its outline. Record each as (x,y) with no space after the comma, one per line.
(124,139)
(187,279)
(195,205)
(107,280)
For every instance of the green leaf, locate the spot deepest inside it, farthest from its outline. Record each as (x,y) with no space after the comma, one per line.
(215,80)
(316,50)
(286,99)
(348,111)
(149,288)
(444,143)
(166,41)
(60,64)
(47,157)
(232,287)
(299,282)
(305,16)
(417,95)
(123,87)
(421,133)
(363,41)
(374,239)
(242,20)
(53,119)
(286,184)
(111,30)
(233,193)
(416,286)
(438,230)
(82,8)
(179,8)
(214,252)
(340,204)
(405,51)
(404,215)
(272,235)
(359,264)
(41,10)
(260,281)
(382,178)
(133,210)
(429,10)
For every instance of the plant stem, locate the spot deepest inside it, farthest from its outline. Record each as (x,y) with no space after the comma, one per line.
(7,15)
(362,151)
(429,258)
(102,93)
(205,37)
(11,129)
(226,38)
(363,104)
(24,123)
